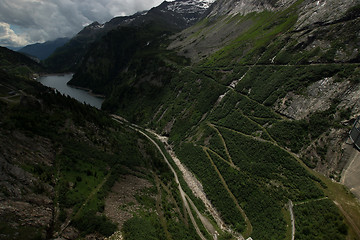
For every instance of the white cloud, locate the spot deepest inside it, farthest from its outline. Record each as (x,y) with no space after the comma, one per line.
(9,38)
(44,20)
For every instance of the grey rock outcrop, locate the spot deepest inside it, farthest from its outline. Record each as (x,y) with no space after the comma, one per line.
(322,12)
(25,200)
(243,7)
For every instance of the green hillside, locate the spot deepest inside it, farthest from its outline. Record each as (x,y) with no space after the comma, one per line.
(224,116)
(63,164)
(257,106)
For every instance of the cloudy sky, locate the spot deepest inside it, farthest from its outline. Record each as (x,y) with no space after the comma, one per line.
(29,21)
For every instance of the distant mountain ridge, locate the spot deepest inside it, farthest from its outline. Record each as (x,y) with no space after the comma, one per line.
(17,64)
(43,50)
(174,16)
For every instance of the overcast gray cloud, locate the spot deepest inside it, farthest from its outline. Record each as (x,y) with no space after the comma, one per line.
(29,21)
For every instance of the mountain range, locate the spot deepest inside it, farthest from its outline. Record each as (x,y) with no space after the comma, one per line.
(43,50)
(170,16)
(233,116)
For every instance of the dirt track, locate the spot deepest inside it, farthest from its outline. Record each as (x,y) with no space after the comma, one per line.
(350,175)
(182,193)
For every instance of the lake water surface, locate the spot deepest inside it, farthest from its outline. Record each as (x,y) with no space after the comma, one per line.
(59,82)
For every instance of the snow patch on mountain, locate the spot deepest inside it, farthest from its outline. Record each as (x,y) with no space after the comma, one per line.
(189,6)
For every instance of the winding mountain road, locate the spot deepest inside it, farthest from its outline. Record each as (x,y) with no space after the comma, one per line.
(182,193)
(291,205)
(198,191)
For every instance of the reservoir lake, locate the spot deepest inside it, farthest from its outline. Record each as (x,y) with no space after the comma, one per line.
(59,82)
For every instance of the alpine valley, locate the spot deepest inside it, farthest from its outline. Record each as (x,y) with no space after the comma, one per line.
(224,119)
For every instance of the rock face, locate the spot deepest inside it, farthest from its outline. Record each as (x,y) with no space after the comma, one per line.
(322,12)
(217,29)
(318,25)
(350,99)
(26,202)
(311,12)
(243,7)
(318,97)
(184,12)
(329,153)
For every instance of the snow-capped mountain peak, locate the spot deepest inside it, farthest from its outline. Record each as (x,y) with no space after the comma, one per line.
(188,10)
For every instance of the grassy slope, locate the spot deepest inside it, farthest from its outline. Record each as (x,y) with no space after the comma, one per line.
(17,64)
(188,103)
(128,56)
(182,102)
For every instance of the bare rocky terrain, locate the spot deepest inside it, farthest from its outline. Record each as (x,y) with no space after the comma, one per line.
(317,12)
(334,148)
(25,200)
(121,203)
(317,97)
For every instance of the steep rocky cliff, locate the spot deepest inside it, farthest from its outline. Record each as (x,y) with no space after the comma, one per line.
(26,200)
(229,20)
(244,7)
